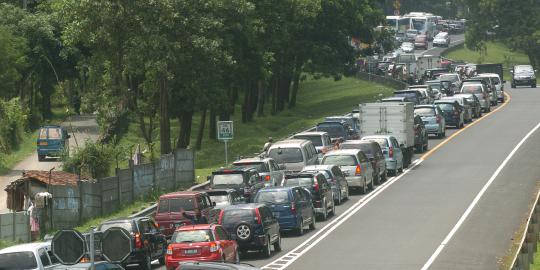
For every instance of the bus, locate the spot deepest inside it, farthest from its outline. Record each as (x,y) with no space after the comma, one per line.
(424,22)
(398,23)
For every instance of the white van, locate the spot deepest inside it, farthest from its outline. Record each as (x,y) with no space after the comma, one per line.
(294,154)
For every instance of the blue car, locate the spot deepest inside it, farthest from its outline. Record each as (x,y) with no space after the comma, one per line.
(52,141)
(292,206)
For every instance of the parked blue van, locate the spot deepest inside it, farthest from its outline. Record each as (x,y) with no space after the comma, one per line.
(292,206)
(51,141)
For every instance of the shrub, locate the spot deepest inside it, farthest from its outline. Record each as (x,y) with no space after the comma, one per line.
(13,124)
(94,160)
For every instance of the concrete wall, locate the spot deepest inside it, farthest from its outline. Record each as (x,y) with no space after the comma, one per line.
(73,205)
(15,227)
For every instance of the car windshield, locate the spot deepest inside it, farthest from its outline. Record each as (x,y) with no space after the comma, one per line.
(286,155)
(436,86)
(409,95)
(334,130)
(299,181)
(228,179)
(123,225)
(424,111)
(220,199)
(447,107)
(192,236)
(315,139)
(471,89)
(233,216)
(519,69)
(18,261)
(339,160)
(273,197)
(448,77)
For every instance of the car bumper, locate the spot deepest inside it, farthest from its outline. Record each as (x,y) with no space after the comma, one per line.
(256,242)
(432,128)
(355,181)
(524,81)
(49,152)
(172,263)
(391,164)
(288,222)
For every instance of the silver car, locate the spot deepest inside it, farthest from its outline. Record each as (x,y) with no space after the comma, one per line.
(271,173)
(355,166)
(480,92)
(499,85)
(433,119)
(391,150)
(294,154)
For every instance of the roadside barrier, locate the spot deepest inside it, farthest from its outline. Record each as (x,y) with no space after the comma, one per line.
(524,254)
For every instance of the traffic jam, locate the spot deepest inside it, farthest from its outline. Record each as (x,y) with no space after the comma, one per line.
(248,209)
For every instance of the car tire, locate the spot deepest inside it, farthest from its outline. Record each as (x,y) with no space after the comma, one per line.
(300,229)
(41,158)
(267,250)
(364,187)
(333,208)
(146,264)
(277,244)
(312,225)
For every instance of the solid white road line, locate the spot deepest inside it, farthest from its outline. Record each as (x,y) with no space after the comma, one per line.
(308,244)
(475,201)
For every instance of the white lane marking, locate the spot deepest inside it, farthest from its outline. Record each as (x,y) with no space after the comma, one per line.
(475,201)
(307,244)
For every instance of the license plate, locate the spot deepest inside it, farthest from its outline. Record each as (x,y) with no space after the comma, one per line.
(190,251)
(43,143)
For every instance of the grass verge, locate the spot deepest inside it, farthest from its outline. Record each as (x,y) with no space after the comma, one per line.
(5,244)
(495,53)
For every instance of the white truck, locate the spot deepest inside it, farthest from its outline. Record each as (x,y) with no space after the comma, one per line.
(425,62)
(390,118)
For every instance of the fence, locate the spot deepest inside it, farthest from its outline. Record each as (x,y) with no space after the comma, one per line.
(73,205)
(15,227)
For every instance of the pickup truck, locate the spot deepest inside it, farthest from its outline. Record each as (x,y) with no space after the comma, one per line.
(393,118)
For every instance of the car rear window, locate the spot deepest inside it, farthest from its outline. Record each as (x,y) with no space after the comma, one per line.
(315,139)
(55,134)
(286,155)
(237,215)
(410,95)
(334,130)
(124,225)
(220,199)
(176,205)
(472,89)
(228,179)
(446,106)
(18,261)
(192,236)
(381,141)
(300,181)
(448,77)
(339,160)
(424,111)
(273,197)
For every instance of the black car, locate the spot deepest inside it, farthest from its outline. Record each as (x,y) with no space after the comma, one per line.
(214,266)
(431,73)
(245,180)
(413,96)
(420,135)
(148,242)
(321,190)
(523,75)
(253,226)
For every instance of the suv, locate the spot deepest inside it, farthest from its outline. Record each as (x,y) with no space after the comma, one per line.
(453,114)
(269,171)
(245,180)
(321,191)
(52,141)
(292,206)
(523,75)
(374,153)
(334,175)
(413,95)
(182,208)
(433,119)
(480,91)
(320,139)
(253,226)
(148,242)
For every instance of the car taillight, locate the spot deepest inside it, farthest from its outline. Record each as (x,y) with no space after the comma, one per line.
(316,186)
(169,250)
(293,208)
(138,242)
(220,217)
(214,247)
(267,178)
(258,216)
(391,152)
(358,170)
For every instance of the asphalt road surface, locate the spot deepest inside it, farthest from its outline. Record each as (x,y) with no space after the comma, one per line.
(81,128)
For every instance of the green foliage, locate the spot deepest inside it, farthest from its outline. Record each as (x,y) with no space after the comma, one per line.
(94,160)
(6,243)
(12,124)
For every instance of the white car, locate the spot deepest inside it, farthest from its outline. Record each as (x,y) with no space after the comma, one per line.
(499,84)
(31,256)
(407,47)
(441,39)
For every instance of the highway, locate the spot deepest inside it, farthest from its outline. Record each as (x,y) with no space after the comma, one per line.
(457,207)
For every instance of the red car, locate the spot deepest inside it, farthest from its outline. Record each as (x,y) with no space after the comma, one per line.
(205,242)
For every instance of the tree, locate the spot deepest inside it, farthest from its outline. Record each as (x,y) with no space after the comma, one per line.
(12,62)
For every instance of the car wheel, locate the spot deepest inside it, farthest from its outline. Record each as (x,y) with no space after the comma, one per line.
(40,158)
(243,232)
(277,244)
(313,221)
(333,209)
(300,228)
(325,210)
(268,248)
(146,264)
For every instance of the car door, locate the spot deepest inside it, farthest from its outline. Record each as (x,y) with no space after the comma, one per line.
(341,182)
(398,153)
(326,189)
(44,259)
(300,203)
(307,204)
(158,239)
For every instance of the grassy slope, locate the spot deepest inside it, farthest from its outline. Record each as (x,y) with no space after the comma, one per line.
(495,53)
(316,100)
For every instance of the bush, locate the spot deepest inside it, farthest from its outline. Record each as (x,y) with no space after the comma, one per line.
(94,160)
(13,124)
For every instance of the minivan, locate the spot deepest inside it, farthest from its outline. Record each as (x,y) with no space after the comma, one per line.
(355,165)
(391,150)
(245,180)
(175,209)
(52,141)
(480,91)
(374,153)
(294,154)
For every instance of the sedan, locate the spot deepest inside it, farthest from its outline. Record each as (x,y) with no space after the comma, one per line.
(407,47)
(433,119)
